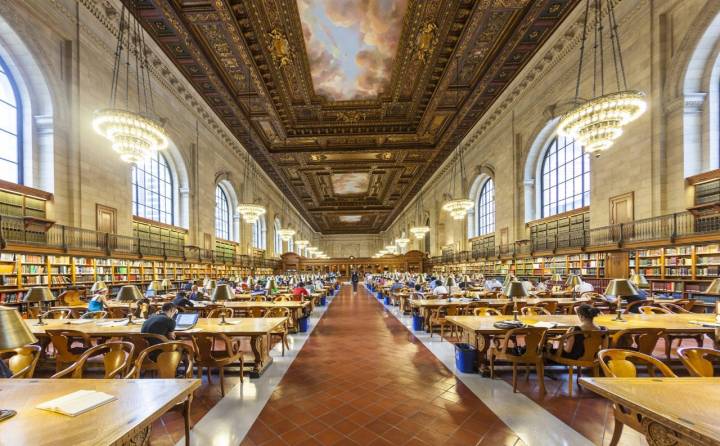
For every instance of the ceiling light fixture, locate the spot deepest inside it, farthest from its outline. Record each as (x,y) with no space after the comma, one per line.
(249,210)
(135,135)
(598,122)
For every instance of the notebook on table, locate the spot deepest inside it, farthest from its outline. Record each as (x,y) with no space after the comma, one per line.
(77,403)
(186,321)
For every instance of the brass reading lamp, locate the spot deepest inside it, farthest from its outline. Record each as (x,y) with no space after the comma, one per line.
(129,293)
(222,293)
(573,280)
(620,288)
(515,290)
(210,286)
(39,295)
(14,334)
(154,286)
(555,279)
(166,285)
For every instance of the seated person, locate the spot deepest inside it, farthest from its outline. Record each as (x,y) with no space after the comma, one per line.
(396,286)
(574,347)
(142,308)
(98,301)
(528,285)
(258,290)
(161,323)
(492,284)
(299,291)
(641,295)
(182,301)
(439,288)
(541,286)
(195,293)
(584,287)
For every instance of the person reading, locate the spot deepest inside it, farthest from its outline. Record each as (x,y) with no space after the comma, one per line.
(574,347)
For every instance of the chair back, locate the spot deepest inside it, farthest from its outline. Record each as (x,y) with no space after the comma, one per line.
(593,342)
(632,306)
(117,356)
(698,360)
(94,315)
(165,359)
(282,298)
(142,341)
(71,298)
(453,310)
(277,312)
(641,340)
(534,311)
(57,314)
(205,346)
(486,311)
(687,304)
(22,361)
(673,308)
(62,341)
(648,309)
(618,363)
(492,295)
(543,294)
(219,312)
(533,341)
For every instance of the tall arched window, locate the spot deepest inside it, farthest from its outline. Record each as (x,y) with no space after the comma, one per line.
(222,215)
(278,240)
(259,233)
(291,245)
(565,180)
(152,186)
(10,128)
(485,219)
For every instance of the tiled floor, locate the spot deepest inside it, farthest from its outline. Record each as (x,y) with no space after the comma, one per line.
(363,379)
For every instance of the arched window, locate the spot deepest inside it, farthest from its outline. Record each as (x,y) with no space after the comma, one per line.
(10,128)
(222,215)
(259,233)
(291,245)
(152,186)
(565,177)
(485,218)
(278,240)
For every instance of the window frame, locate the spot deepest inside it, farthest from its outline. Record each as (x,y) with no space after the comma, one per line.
(18,122)
(171,188)
(221,197)
(485,223)
(552,153)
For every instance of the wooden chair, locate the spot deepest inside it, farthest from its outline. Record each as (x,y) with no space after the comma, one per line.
(117,357)
(531,353)
(687,304)
(219,312)
(550,305)
(208,356)
(22,361)
(438,318)
(593,342)
(165,359)
(282,298)
(641,340)
(57,314)
(630,308)
(648,309)
(142,341)
(673,308)
(94,315)
(486,311)
(534,311)
(282,330)
(65,352)
(698,360)
(492,295)
(617,364)
(543,295)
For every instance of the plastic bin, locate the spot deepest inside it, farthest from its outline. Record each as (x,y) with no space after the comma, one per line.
(303,324)
(465,356)
(387,300)
(417,322)
(379,295)
(323,301)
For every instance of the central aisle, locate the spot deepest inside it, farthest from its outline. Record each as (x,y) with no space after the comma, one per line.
(363,379)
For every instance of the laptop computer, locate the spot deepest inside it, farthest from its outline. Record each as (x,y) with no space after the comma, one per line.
(186,321)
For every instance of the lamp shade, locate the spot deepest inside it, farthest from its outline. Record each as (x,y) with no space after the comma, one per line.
(714,287)
(154,286)
(620,288)
(129,293)
(573,280)
(556,278)
(38,294)
(15,333)
(222,292)
(98,286)
(515,289)
(639,280)
(166,284)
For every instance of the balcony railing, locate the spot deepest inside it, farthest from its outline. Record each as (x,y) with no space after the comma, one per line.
(15,231)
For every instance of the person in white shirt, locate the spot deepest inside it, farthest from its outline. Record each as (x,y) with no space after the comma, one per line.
(491,284)
(439,288)
(584,287)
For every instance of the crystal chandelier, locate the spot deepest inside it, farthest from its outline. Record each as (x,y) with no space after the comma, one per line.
(402,242)
(458,208)
(391,249)
(598,122)
(135,135)
(286,234)
(249,210)
(301,244)
(420,229)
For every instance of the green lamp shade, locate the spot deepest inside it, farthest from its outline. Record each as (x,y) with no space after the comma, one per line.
(38,294)
(620,288)
(129,293)
(98,286)
(222,292)
(515,289)
(573,280)
(15,333)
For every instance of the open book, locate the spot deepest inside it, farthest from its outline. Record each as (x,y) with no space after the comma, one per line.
(545,324)
(706,323)
(76,403)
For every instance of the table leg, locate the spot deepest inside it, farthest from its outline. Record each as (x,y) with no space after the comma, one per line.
(186,415)
(482,343)
(259,345)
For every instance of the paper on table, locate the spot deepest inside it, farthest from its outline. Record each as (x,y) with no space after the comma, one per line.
(114,323)
(76,403)
(706,323)
(80,321)
(544,324)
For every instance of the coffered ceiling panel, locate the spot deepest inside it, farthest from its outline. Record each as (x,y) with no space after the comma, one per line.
(350,106)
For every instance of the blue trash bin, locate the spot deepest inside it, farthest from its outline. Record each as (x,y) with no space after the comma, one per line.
(465,356)
(302,324)
(417,322)
(323,301)
(379,295)
(387,300)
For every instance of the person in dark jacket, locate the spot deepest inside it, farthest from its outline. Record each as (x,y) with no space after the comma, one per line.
(182,301)
(355,278)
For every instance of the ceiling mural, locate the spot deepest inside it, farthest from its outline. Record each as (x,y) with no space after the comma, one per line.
(350,44)
(350,106)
